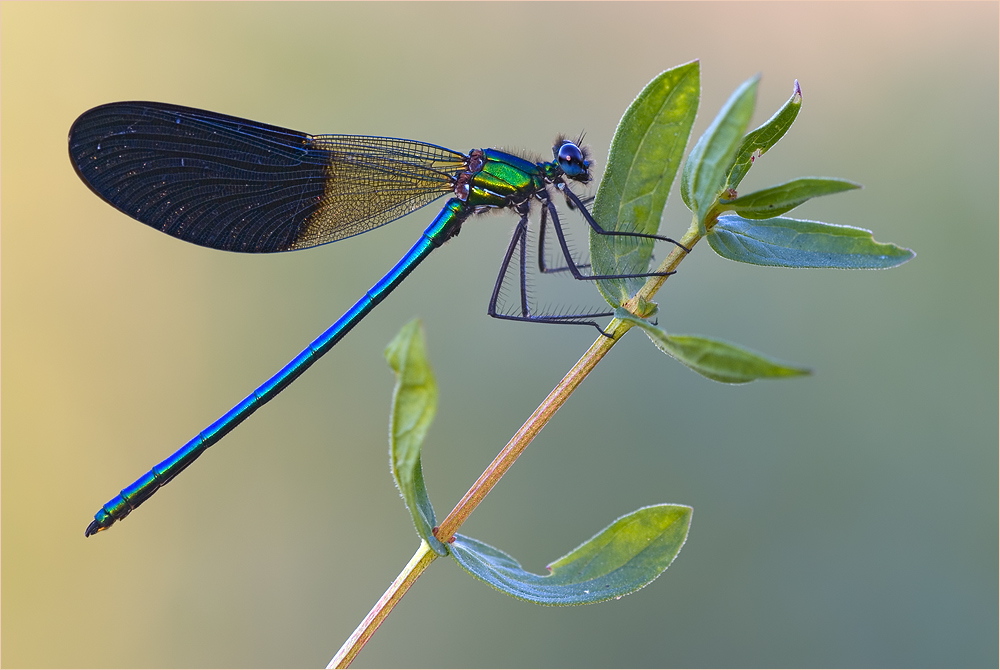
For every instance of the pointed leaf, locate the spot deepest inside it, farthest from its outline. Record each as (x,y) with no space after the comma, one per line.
(645,154)
(770,202)
(758,141)
(718,360)
(711,159)
(414,403)
(798,243)
(621,559)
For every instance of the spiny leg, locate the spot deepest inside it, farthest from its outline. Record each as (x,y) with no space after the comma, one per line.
(572,266)
(518,244)
(543,224)
(589,218)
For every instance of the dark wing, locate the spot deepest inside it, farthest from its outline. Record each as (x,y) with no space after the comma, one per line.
(237,185)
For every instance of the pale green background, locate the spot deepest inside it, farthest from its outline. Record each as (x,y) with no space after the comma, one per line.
(847,519)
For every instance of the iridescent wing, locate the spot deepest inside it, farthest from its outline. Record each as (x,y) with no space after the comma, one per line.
(237,185)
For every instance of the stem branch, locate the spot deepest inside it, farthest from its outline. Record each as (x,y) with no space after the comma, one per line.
(559,395)
(505,459)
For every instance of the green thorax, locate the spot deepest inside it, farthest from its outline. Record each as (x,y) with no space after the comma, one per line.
(505,179)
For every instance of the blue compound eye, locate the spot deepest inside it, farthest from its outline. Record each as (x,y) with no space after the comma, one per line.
(572,161)
(570,153)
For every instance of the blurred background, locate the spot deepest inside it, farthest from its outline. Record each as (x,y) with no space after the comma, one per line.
(845,519)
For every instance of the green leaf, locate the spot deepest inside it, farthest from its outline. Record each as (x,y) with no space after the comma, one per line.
(414,403)
(711,159)
(621,559)
(771,202)
(798,243)
(716,359)
(645,154)
(758,141)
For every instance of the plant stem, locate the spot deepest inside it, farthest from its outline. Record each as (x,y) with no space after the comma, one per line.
(523,437)
(556,399)
(506,458)
(424,557)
